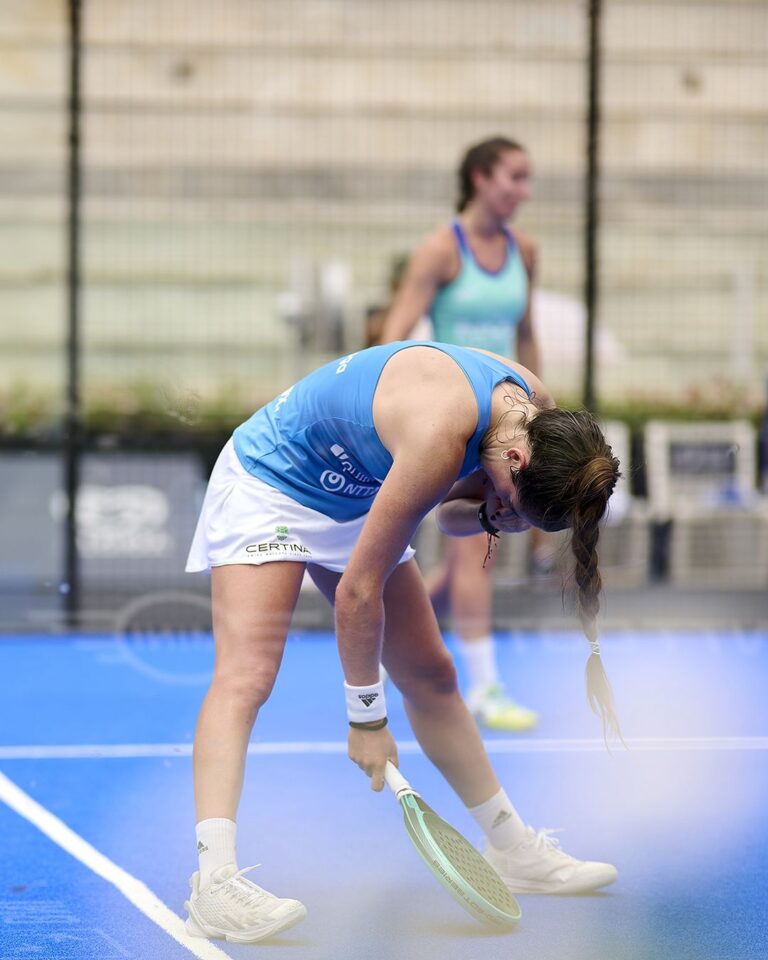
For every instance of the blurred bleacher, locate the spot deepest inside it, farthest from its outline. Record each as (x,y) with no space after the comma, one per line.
(227,143)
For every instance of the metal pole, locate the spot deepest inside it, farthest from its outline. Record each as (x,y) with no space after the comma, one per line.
(72,416)
(591,218)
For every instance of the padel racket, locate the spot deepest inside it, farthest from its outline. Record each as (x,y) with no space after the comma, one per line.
(464,872)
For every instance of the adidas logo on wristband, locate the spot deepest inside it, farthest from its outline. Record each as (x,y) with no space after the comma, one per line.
(365,703)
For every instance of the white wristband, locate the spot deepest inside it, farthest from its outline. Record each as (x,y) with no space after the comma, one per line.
(365,703)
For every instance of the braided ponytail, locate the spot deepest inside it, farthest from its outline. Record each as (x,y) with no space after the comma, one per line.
(567,483)
(584,537)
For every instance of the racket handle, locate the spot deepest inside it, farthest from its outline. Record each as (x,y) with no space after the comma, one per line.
(397,782)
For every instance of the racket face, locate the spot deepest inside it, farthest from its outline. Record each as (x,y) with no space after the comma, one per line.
(464,872)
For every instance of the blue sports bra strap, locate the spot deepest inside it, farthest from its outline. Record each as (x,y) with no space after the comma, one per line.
(510,238)
(460,238)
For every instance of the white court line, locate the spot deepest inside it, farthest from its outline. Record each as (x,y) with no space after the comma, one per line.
(169,750)
(132,889)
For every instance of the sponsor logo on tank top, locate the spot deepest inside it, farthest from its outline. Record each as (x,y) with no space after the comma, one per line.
(347,465)
(349,480)
(331,481)
(344,362)
(282,398)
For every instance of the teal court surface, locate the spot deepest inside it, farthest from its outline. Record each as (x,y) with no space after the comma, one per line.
(97,820)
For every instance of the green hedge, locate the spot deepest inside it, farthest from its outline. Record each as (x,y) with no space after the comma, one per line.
(148,409)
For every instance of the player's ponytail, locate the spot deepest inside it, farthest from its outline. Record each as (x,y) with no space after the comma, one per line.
(584,537)
(567,483)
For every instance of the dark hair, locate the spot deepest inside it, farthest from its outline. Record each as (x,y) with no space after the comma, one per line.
(483,157)
(567,482)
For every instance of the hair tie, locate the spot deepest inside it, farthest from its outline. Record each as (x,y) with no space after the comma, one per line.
(595,645)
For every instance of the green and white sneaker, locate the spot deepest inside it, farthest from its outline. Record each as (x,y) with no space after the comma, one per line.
(232,908)
(492,708)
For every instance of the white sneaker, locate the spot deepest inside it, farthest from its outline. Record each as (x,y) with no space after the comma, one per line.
(538,865)
(492,708)
(232,908)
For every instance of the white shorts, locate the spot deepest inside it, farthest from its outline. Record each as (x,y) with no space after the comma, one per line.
(244,520)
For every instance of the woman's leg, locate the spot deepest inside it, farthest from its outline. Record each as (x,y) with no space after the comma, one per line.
(471,592)
(438,584)
(471,588)
(421,667)
(252,608)
(543,554)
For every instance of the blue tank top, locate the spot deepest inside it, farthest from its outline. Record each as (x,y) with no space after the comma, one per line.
(480,308)
(316,441)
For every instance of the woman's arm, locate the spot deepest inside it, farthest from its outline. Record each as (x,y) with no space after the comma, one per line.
(459,513)
(421,475)
(425,273)
(422,472)
(527,342)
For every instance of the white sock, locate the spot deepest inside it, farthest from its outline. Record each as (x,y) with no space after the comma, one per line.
(215,846)
(479,657)
(499,821)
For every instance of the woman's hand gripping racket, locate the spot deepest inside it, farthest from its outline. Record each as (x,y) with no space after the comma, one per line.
(464,873)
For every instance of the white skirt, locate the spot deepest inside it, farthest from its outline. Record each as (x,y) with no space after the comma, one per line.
(244,520)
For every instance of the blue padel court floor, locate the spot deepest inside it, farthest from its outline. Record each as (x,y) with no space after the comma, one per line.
(97,823)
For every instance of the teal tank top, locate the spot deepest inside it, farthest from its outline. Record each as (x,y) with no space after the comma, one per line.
(480,308)
(317,441)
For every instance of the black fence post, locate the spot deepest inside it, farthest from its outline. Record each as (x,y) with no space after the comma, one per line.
(592,212)
(72,439)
